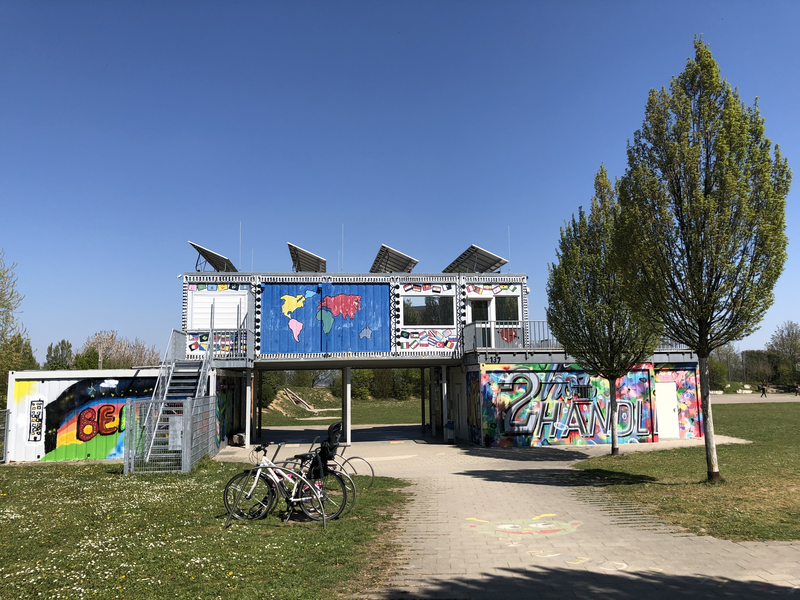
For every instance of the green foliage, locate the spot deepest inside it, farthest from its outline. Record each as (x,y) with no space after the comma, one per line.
(382,384)
(86,360)
(717,374)
(16,354)
(59,356)
(271,383)
(360,382)
(298,379)
(587,311)
(703,210)
(406,383)
(703,217)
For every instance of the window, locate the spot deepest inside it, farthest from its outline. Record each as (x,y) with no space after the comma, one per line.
(428,311)
(506,308)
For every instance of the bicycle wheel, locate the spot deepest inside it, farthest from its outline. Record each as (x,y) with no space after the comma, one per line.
(350,486)
(332,493)
(356,465)
(255,494)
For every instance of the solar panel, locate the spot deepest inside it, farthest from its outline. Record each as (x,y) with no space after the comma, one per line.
(475,260)
(209,257)
(390,260)
(305,261)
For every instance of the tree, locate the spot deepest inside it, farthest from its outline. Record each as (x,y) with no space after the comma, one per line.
(382,386)
(587,311)
(786,340)
(16,353)
(59,356)
(703,202)
(115,352)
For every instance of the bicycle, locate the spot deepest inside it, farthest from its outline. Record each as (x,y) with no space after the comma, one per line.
(252,494)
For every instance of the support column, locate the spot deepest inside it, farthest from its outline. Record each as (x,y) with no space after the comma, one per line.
(430,402)
(422,396)
(248,406)
(444,404)
(346,405)
(260,396)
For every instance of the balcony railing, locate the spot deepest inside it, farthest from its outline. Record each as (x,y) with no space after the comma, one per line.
(526,335)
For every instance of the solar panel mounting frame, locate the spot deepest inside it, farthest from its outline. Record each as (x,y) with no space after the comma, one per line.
(388,258)
(304,261)
(219,263)
(475,260)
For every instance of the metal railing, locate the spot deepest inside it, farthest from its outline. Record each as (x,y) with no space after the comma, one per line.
(226,344)
(191,435)
(4,414)
(527,335)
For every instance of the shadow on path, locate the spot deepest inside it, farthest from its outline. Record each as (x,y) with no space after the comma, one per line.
(557,477)
(614,579)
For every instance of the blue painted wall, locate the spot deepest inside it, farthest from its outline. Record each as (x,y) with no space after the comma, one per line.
(310,318)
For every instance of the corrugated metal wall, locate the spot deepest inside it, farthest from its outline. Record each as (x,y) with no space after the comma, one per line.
(313,318)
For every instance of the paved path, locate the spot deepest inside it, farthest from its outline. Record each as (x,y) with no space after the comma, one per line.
(503,523)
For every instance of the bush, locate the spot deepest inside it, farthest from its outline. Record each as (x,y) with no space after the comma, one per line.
(717,374)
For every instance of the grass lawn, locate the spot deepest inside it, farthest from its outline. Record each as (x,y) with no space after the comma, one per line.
(87,531)
(365,412)
(759,496)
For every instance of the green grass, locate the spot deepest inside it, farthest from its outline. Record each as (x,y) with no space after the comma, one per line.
(77,531)
(759,495)
(365,412)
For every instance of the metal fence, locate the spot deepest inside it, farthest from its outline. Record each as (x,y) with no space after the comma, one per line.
(169,437)
(4,414)
(527,335)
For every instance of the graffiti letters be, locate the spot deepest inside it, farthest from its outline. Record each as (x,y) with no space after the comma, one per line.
(91,422)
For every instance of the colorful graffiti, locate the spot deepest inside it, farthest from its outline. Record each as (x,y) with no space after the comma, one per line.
(324,317)
(426,288)
(491,290)
(85,420)
(219,287)
(439,339)
(225,342)
(553,404)
(690,418)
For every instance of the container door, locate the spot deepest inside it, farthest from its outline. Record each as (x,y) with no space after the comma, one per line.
(667,410)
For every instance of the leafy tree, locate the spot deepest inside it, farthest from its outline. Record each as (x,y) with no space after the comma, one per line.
(587,311)
(360,382)
(59,356)
(717,374)
(298,379)
(703,202)
(16,354)
(731,358)
(785,342)
(406,383)
(88,359)
(382,383)
(115,352)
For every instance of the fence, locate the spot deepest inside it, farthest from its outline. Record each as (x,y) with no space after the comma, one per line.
(3,433)
(527,335)
(169,437)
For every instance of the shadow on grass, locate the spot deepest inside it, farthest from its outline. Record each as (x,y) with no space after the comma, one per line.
(612,579)
(531,454)
(558,477)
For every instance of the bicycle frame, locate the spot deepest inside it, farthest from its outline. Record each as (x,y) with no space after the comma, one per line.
(279,476)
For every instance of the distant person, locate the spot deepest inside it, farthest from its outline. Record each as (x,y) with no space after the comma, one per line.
(797,390)
(763,391)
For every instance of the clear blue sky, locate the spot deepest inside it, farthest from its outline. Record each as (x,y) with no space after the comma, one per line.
(128,128)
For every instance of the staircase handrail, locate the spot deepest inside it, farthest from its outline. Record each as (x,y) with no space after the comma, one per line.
(208,360)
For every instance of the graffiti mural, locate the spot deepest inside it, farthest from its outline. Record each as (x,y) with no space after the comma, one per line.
(439,339)
(225,342)
(491,290)
(690,417)
(555,404)
(218,287)
(324,317)
(76,419)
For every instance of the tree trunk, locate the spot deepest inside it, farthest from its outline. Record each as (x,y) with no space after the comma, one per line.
(612,394)
(708,423)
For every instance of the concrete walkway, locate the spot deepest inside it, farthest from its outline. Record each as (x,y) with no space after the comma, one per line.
(518,523)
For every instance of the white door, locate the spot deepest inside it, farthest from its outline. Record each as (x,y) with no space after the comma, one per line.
(667,410)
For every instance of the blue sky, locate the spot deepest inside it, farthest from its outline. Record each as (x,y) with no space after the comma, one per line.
(128,128)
